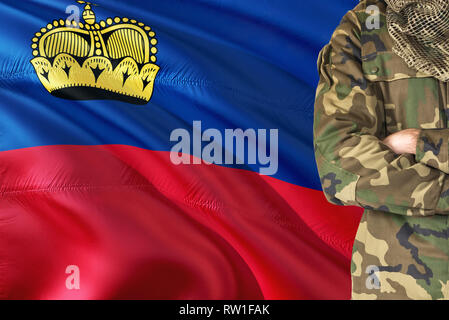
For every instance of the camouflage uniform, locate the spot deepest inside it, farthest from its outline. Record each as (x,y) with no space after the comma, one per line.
(365,93)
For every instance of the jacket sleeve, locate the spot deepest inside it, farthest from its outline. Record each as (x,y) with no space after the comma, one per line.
(432,148)
(355,167)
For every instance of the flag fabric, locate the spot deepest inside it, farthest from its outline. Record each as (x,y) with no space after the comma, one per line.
(91,185)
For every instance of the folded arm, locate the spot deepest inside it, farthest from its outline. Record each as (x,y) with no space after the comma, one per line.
(432,148)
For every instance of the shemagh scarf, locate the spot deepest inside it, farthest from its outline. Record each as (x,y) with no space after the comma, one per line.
(420,30)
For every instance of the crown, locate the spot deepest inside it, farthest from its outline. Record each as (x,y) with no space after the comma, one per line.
(111,59)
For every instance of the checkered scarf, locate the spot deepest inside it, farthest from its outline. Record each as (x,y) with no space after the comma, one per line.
(420,30)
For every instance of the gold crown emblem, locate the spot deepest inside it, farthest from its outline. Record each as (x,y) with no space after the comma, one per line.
(111,59)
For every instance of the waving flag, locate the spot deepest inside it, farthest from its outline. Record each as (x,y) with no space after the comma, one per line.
(121,171)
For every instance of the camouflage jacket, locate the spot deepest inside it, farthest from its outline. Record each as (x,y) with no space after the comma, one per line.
(365,93)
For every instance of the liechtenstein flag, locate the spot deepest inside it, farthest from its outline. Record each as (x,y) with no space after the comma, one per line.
(163,150)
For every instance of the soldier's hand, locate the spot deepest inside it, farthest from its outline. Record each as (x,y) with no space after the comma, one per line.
(403,141)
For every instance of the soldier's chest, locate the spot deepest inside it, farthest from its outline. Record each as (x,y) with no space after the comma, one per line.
(414,103)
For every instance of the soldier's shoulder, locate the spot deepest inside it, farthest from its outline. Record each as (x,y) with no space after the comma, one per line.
(369,18)
(369,8)
(365,10)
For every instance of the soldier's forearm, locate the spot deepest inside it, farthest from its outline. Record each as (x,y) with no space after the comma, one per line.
(432,148)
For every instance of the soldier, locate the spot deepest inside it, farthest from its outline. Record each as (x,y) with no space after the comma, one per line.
(381,142)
